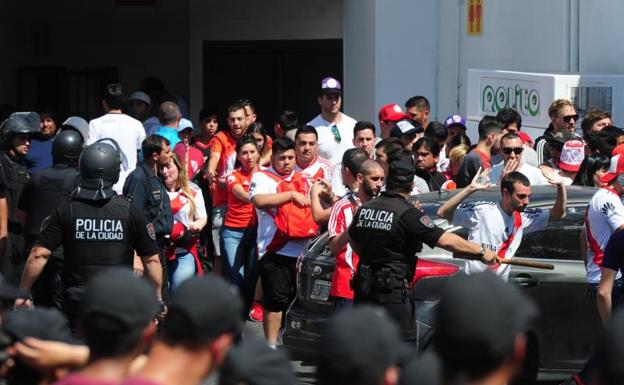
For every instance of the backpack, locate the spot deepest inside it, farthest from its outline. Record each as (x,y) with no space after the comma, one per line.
(292,221)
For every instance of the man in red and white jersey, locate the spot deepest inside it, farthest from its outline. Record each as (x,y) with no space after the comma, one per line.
(308,163)
(605,215)
(365,178)
(499,226)
(278,256)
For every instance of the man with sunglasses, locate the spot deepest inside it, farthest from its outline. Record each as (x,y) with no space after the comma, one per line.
(512,151)
(335,129)
(563,117)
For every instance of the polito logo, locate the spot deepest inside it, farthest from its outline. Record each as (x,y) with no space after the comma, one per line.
(497,94)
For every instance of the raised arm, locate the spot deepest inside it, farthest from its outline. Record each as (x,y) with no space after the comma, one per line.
(447,210)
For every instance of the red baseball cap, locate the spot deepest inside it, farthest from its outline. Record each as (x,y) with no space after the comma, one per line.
(615,169)
(391,113)
(572,155)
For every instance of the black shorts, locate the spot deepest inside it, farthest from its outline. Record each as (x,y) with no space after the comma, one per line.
(278,281)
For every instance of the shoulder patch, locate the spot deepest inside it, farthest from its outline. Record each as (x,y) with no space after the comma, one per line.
(150,231)
(426,221)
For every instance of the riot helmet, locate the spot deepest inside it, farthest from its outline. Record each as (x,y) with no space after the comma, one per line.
(77,124)
(16,124)
(66,147)
(99,165)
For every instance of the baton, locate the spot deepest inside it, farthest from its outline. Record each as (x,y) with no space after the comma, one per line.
(514,261)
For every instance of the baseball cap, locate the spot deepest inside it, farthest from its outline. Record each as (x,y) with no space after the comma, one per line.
(77,123)
(253,362)
(405,127)
(455,120)
(572,155)
(424,369)
(359,344)
(491,312)
(330,85)
(42,323)
(401,169)
(616,168)
(391,113)
(142,96)
(203,308)
(559,137)
(184,124)
(117,293)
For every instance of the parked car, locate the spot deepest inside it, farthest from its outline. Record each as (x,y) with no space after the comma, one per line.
(568,325)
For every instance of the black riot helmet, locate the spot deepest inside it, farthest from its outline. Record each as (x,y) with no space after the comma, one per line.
(15,125)
(99,166)
(66,147)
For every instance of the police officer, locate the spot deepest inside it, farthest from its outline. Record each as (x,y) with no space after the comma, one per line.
(98,230)
(47,189)
(387,232)
(16,132)
(145,190)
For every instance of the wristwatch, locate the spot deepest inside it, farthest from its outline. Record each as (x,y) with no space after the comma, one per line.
(481,253)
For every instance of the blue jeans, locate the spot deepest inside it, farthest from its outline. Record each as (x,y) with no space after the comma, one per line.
(181,269)
(239,251)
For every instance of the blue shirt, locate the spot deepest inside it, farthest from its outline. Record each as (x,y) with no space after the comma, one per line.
(170,133)
(40,154)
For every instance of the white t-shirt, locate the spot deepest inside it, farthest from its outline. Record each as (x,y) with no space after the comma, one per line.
(328,147)
(182,215)
(443,162)
(127,132)
(338,186)
(320,168)
(490,226)
(264,184)
(605,214)
(533,174)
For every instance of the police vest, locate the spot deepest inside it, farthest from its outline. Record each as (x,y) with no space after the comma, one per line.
(384,241)
(158,207)
(15,175)
(98,237)
(52,186)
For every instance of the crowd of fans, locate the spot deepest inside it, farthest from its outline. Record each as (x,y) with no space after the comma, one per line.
(239,202)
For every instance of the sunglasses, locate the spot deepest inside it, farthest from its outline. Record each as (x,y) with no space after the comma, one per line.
(567,118)
(336,133)
(516,150)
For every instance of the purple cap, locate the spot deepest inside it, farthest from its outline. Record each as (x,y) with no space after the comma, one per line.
(330,85)
(455,120)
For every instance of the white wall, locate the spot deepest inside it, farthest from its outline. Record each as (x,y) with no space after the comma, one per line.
(601,34)
(528,35)
(256,20)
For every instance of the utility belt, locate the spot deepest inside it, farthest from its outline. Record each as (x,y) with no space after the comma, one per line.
(380,279)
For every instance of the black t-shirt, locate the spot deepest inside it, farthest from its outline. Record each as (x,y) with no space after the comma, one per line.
(390,229)
(97,235)
(613,257)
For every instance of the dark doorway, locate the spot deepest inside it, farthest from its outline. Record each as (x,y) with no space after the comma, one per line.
(275,75)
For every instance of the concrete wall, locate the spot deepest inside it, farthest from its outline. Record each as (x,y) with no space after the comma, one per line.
(256,20)
(600,37)
(139,40)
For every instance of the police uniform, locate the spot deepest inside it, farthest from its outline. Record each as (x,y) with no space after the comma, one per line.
(389,231)
(46,190)
(145,191)
(14,174)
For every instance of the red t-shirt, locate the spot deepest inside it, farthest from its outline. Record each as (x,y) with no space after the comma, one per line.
(347,260)
(195,160)
(239,214)
(225,144)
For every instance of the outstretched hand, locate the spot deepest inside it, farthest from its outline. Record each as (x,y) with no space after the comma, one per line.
(481,181)
(552,176)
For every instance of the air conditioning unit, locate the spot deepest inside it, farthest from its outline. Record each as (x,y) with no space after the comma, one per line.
(530,93)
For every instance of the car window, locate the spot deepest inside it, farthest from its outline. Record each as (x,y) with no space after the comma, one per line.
(560,239)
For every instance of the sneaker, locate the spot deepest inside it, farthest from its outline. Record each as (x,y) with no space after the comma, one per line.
(255,313)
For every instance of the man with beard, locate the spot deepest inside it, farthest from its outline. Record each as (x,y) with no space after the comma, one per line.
(499,226)
(365,178)
(490,132)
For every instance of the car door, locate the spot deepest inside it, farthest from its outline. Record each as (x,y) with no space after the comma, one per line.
(569,324)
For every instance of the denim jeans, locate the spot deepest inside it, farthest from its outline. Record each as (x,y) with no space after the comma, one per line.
(239,249)
(181,269)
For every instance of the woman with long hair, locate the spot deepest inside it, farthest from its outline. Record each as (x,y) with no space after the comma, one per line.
(264,142)
(594,166)
(238,237)
(189,218)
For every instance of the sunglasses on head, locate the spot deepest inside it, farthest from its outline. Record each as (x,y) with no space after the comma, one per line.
(509,150)
(567,118)
(336,133)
